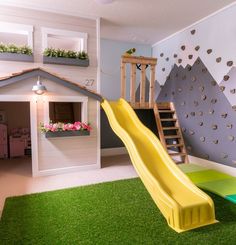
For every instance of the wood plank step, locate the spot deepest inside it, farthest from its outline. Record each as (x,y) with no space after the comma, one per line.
(174,145)
(172,137)
(168,120)
(163,105)
(170,128)
(166,111)
(177,154)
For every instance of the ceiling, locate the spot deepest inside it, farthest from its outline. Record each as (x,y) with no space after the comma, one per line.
(139,21)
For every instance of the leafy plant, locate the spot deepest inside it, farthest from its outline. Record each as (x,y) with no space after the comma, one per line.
(13,48)
(83,55)
(62,53)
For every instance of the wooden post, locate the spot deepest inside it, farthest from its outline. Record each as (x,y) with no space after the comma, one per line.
(123,80)
(133,84)
(152,86)
(142,85)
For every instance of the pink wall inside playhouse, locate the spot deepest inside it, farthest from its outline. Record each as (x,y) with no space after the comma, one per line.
(17,114)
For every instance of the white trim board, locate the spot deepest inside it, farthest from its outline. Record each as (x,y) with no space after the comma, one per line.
(113,151)
(98,29)
(195,23)
(213,165)
(56,171)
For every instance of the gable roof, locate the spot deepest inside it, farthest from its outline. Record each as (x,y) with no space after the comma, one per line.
(34,72)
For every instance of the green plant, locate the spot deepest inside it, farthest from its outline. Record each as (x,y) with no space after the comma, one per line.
(13,48)
(62,53)
(83,55)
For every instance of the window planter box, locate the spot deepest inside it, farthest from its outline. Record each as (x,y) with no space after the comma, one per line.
(65,61)
(66,133)
(16,57)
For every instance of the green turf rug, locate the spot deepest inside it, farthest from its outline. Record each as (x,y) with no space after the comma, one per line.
(120,212)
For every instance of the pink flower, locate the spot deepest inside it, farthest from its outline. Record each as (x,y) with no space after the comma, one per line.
(68,127)
(86,127)
(53,127)
(77,125)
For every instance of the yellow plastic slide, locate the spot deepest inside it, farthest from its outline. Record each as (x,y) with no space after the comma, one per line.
(183,205)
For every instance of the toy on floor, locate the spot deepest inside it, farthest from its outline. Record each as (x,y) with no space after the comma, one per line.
(211,180)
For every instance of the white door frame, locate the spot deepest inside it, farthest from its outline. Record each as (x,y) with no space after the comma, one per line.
(33,124)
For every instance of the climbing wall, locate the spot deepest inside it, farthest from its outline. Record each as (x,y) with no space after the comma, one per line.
(207,117)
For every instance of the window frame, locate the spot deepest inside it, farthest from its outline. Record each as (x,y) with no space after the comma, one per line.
(81,36)
(13,28)
(81,99)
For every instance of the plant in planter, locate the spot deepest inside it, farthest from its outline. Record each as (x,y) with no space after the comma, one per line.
(65,129)
(12,48)
(13,52)
(65,57)
(83,55)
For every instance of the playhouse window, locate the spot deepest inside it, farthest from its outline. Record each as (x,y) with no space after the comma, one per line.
(63,39)
(66,112)
(17,34)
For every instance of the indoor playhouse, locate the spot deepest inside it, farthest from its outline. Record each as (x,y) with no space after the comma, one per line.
(183,205)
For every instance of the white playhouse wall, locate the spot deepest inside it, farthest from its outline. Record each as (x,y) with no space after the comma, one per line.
(64,154)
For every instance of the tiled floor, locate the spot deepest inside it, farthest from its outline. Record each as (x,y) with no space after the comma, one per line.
(15,176)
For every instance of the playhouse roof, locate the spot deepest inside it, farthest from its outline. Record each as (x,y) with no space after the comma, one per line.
(33,72)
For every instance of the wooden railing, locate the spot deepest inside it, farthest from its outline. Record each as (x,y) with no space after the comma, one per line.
(143,62)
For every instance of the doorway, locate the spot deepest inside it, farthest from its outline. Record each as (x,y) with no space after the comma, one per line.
(15,138)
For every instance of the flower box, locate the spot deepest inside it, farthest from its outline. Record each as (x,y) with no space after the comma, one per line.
(57,134)
(65,61)
(16,57)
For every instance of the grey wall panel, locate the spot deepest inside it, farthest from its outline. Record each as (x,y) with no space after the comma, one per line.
(228,86)
(109,138)
(207,119)
(147,84)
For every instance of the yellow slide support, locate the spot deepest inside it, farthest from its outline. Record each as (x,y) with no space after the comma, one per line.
(183,205)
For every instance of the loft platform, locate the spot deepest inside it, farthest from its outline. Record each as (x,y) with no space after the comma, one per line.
(143,63)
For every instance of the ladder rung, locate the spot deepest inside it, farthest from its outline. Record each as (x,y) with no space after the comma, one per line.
(170,128)
(166,111)
(172,137)
(174,145)
(168,120)
(177,154)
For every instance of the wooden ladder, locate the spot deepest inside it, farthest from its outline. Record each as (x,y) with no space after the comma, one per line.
(170,132)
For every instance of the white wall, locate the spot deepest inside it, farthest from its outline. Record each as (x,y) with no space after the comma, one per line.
(217,32)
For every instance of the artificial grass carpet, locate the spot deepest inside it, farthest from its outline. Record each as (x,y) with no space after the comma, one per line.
(120,212)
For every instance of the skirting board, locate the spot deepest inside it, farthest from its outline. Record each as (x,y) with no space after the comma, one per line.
(113,151)
(66,170)
(213,165)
